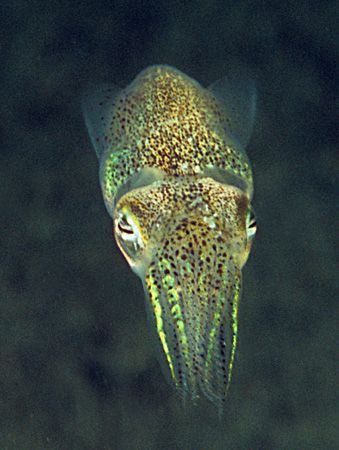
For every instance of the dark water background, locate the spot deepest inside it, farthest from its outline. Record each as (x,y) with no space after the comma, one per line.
(77,368)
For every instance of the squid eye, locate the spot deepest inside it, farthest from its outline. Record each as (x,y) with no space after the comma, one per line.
(128,234)
(251,224)
(124,226)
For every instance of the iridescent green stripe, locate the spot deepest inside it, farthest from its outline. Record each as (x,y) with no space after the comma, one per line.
(216,320)
(173,297)
(237,282)
(154,297)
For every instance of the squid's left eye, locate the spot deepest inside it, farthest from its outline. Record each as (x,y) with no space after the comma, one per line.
(124,226)
(128,234)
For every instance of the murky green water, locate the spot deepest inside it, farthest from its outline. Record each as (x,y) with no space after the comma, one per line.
(77,363)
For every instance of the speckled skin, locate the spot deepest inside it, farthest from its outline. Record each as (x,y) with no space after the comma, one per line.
(192,239)
(166,120)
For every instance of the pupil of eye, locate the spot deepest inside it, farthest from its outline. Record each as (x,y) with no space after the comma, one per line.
(125,227)
(252,224)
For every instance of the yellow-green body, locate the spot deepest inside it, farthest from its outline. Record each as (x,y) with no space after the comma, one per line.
(178,184)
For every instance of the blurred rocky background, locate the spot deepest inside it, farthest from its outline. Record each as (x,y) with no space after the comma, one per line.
(77,364)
